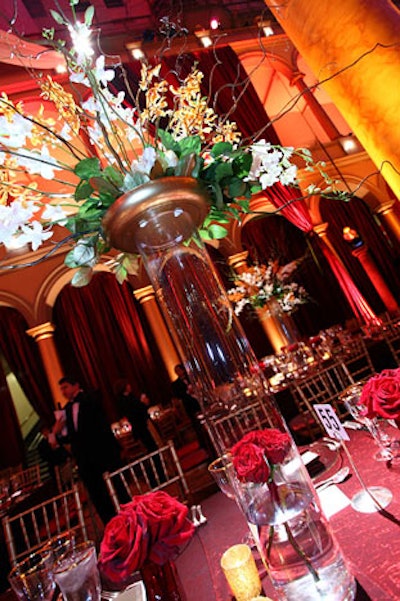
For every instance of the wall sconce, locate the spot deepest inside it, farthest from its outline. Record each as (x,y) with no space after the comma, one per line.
(135,50)
(352,237)
(204,37)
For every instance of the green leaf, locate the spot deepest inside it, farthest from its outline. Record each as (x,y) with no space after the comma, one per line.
(217,232)
(57,17)
(114,176)
(168,141)
(222,171)
(236,188)
(121,274)
(82,277)
(88,168)
(221,148)
(84,254)
(83,190)
(241,165)
(89,14)
(190,145)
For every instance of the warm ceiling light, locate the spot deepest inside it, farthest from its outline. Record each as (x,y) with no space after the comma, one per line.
(204,36)
(135,49)
(214,23)
(267,29)
(349,144)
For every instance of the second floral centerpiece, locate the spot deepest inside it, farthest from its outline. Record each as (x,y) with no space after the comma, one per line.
(292,534)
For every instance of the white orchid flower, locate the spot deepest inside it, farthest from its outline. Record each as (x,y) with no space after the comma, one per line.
(103,75)
(34,234)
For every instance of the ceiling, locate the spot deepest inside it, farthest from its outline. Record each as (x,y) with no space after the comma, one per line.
(125,21)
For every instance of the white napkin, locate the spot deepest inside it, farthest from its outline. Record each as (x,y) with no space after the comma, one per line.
(332,500)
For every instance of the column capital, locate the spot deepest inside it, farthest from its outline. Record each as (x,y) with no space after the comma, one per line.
(145,294)
(42,331)
(239,260)
(321,229)
(385,207)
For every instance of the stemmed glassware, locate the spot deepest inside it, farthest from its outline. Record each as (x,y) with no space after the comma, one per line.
(219,469)
(351,399)
(368,500)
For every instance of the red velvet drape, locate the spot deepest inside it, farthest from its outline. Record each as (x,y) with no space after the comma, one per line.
(23,357)
(100,337)
(298,214)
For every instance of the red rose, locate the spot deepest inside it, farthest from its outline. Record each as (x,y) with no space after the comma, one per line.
(250,463)
(124,547)
(381,395)
(257,450)
(167,524)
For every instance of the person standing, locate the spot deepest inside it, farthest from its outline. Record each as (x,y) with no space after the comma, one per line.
(136,412)
(93,444)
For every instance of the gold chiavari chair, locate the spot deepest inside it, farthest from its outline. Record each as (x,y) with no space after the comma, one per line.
(159,470)
(29,530)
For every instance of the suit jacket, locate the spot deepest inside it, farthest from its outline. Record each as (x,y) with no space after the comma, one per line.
(93,443)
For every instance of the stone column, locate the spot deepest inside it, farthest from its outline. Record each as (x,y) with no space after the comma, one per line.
(319,113)
(167,349)
(353,49)
(390,217)
(43,336)
(372,271)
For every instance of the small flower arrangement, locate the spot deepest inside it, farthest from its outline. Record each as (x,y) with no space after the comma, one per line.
(151,528)
(381,395)
(102,144)
(260,283)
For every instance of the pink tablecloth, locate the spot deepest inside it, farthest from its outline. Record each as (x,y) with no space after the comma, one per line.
(370,542)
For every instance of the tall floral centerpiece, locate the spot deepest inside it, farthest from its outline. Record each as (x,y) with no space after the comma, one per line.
(153,178)
(269,290)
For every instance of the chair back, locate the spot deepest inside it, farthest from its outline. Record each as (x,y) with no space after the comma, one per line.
(357,359)
(26,478)
(159,470)
(29,530)
(319,387)
(224,431)
(391,335)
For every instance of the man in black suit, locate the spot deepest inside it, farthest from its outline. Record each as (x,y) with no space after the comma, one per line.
(92,444)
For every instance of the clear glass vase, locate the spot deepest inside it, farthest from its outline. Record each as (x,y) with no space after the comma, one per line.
(160,220)
(278,325)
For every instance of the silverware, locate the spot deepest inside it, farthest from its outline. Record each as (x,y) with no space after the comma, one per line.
(334,479)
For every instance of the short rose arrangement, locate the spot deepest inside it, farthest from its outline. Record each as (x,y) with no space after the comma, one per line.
(381,395)
(257,452)
(151,528)
(266,496)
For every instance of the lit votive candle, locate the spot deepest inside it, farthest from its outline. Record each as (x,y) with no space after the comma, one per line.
(241,572)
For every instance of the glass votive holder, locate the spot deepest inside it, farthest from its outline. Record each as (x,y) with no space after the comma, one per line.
(241,572)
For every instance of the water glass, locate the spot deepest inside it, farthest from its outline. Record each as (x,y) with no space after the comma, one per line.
(31,580)
(77,575)
(218,470)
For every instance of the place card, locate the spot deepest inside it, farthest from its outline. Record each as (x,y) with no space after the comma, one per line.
(332,500)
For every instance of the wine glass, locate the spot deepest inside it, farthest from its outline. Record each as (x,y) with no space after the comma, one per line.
(32,579)
(219,470)
(351,399)
(371,499)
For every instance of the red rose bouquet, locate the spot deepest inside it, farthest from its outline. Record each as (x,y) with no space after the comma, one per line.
(151,528)
(381,395)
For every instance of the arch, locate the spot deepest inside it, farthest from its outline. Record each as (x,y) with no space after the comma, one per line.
(8,299)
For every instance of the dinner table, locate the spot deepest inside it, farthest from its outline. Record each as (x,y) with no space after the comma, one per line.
(370,542)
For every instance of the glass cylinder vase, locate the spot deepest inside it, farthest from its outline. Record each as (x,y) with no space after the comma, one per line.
(278,325)
(159,219)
